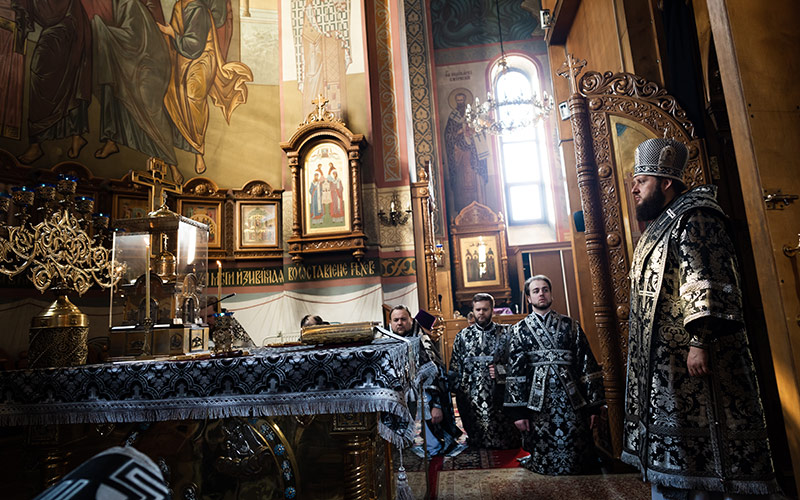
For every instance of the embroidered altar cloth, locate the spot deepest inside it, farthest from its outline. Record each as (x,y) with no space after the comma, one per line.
(301,380)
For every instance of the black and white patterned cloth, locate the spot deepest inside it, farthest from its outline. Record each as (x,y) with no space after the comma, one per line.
(303,380)
(479,396)
(122,473)
(555,383)
(692,432)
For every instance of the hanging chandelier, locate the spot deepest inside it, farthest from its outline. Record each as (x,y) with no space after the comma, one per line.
(497,116)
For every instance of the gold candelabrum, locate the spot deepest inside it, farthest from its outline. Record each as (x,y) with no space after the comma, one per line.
(54,237)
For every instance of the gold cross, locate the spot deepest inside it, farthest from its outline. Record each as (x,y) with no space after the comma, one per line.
(155,179)
(320,103)
(570,69)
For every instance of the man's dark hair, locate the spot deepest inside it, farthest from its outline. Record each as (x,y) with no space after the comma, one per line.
(307,319)
(401,307)
(483,297)
(538,277)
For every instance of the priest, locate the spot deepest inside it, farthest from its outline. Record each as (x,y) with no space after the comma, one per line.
(477,377)
(441,431)
(694,422)
(554,387)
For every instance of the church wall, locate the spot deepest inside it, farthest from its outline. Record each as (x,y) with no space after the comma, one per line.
(247,148)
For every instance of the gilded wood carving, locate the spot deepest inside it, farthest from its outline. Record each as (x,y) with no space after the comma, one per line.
(325,161)
(605,106)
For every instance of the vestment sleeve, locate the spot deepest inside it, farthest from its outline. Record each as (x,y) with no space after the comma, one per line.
(501,353)
(589,372)
(456,370)
(709,280)
(517,381)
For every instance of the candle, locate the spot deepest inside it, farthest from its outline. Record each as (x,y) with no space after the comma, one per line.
(219,287)
(147,278)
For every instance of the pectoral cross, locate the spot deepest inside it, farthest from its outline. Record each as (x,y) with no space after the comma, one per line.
(570,70)
(156,179)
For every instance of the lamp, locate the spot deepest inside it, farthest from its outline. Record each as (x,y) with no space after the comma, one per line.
(395,217)
(499,116)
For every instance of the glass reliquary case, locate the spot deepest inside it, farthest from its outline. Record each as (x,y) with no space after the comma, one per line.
(165,259)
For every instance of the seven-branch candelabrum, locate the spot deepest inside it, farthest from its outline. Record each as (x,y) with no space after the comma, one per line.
(496,117)
(54,236)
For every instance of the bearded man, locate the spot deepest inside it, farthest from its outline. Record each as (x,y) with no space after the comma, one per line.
(441,431)
(554,387)
(694,420)
(477,377)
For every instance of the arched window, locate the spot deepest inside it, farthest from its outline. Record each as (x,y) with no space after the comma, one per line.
(523,152)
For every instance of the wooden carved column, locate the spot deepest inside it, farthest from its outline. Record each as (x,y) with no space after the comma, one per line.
(424,208)
(603,297)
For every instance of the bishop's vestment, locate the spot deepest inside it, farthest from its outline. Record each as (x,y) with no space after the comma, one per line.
(555,382)
(705,433)
(480,397)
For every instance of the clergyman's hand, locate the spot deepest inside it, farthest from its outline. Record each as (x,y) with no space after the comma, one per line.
(594,421)
(697,362)
(436,415)
(523,425)
(491,371)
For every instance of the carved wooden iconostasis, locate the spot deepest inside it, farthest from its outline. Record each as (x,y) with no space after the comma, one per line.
(610,115)
(325,161)
(480,260)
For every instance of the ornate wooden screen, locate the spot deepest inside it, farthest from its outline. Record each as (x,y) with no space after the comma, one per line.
(324,140)
(603,109)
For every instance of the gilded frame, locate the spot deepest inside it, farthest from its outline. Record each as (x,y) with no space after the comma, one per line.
(319,134)
(209,212)
(258,225)
(126,206)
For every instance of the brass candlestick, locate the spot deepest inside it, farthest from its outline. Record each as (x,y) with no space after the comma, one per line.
(52,243)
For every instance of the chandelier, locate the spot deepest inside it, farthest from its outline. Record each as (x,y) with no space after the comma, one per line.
(509,113)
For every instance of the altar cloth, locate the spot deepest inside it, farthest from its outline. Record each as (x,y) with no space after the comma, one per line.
(375,377)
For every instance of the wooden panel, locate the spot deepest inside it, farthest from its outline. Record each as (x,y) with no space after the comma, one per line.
(759,69)
(549,264)
(593,36)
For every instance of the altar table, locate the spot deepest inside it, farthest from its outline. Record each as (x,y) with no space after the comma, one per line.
(250,418)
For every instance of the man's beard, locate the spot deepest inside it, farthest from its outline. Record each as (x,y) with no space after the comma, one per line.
(485,323)
(651,207)
(545,307)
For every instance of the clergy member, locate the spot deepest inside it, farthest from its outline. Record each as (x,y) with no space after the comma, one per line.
(554,387)
(440,427)
(477,377)
(694,419)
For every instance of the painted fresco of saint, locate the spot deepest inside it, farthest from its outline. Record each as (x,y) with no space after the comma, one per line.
(131,75)
(12,71)
(199,34)
(60,81)
(325,40)
(337,192)
(315,198)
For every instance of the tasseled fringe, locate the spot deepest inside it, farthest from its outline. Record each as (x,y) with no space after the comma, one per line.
(403,488)
(224,407)
(751,487)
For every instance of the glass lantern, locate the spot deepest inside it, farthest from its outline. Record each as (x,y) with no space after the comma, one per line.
(158,307)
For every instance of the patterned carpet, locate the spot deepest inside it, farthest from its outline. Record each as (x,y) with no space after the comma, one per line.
(509,484)
(477,474)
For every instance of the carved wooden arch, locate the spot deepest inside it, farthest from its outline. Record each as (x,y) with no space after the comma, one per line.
(601,96)
(320,126)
